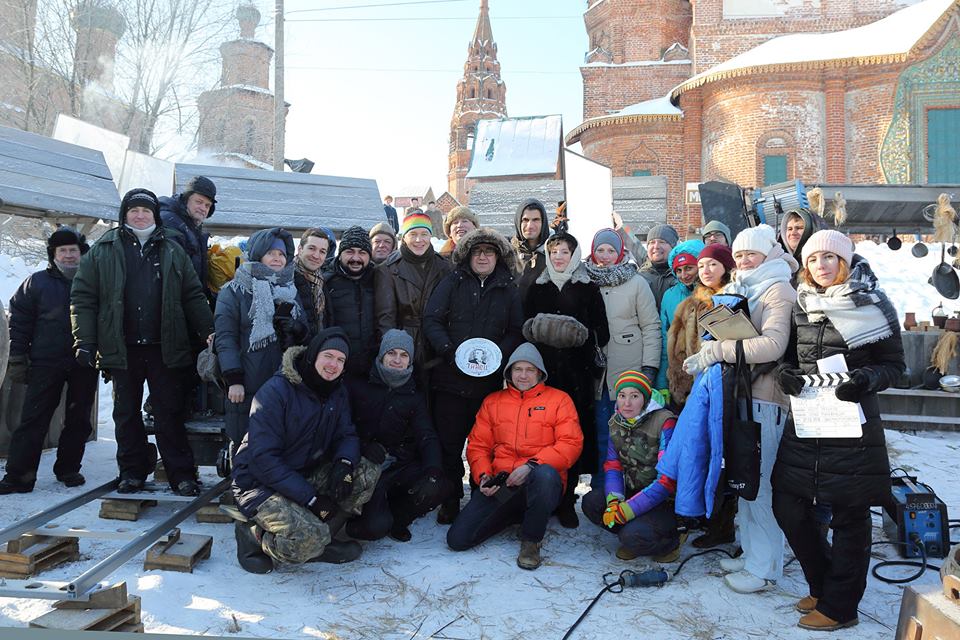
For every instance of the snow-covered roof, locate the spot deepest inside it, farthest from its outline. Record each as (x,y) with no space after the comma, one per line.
(517,146)
(655,109)
(885,41)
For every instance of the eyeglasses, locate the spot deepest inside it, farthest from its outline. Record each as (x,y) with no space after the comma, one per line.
(715,235)
(483,251)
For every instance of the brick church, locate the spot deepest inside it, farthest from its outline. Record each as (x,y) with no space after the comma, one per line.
(762,91)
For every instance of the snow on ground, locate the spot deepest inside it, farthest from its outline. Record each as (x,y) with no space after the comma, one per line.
(420,588)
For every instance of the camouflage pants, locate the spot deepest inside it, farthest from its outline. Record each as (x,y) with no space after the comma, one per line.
(292,533)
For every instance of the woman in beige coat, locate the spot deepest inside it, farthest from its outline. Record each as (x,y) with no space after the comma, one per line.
(763,277)
(632,318)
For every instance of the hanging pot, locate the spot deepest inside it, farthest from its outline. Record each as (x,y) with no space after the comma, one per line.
(945,278)
(894,242)
(919,250)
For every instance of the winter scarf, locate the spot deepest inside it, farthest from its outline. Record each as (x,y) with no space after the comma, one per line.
(315,280)
(393,378)
(753,283)
(68,272)
(142,234)
(268,288)
(561,278)
(610,276)
(424,264)
(858,309)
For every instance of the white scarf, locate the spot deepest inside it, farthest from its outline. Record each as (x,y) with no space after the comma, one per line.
(142,234)
(753,283)
(561,278)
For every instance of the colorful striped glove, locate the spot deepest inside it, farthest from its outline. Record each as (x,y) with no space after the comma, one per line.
(617,513)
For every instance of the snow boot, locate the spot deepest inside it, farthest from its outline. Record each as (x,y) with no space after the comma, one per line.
(74,479)
(250,553)
(529,557)
(627,554)
(400,533)
(816,621)
(746,582)
(130,485)
(11,485)
(806,604)
(674,555)
(339,552)
(720,526)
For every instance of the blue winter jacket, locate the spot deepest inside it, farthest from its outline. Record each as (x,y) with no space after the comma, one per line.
(695,454)
(292,431)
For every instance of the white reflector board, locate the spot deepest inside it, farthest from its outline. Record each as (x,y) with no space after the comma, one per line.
(113,145)
(141,171)
(589,193)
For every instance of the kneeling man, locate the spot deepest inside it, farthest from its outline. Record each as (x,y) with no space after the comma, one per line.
(298,475)
(524,440)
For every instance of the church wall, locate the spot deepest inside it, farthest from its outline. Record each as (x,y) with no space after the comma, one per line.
(608,89)
(868,111)
(637,30)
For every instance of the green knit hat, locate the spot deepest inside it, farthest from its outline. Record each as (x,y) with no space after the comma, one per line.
(636,380)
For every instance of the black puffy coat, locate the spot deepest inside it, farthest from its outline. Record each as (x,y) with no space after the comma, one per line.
(40,319)
(292,431)
(349,305)
(399,419)
(840,471)
(190,236)
(461,308)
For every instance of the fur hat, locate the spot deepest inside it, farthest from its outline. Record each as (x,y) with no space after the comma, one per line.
(65,236)
(485,235)
(828,240)
(205,187)
(557,331)
(760,238)
(355,238)
(140,198)
(455,214)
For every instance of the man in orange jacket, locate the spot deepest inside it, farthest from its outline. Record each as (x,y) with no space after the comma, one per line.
(522,443)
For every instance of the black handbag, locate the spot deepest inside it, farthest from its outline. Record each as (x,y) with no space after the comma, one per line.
(599,363)
(741,446)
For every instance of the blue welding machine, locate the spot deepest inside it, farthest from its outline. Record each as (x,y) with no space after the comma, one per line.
(914,514)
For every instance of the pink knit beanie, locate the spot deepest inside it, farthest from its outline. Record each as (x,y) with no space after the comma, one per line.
(828,240)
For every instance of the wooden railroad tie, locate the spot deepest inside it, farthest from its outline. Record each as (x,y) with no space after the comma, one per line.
(28,555)
(116,509)
(181,552)
(110,609)
(211,513)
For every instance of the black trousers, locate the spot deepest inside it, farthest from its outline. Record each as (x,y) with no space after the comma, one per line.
(44,387)
(531,505)
(652,533)
(837,580)
(392,503)
(145,363)
(453,417)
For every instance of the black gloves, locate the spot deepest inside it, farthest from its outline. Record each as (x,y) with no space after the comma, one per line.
(374,452)
(87,356)
(292,332)
(789,380)
(322,506)
(853,389)
(17,368)
(341,479)
(650,372)
(426,492)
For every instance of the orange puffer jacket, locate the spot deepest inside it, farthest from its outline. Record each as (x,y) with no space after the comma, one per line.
(514,427)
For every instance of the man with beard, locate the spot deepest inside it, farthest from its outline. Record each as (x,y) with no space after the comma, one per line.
(383,240)
(311,254)
(661,239)
(349,292)
(41,355)
(458,223)
(532,230)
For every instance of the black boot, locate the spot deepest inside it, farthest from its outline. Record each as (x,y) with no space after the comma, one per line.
(250,554)
(448,511)
(338,552)
(12,485)
(567,515)
(720,526)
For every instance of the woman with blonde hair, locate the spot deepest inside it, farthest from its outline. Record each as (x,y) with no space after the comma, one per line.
(840,310)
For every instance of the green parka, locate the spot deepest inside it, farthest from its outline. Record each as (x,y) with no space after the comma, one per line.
(96,303)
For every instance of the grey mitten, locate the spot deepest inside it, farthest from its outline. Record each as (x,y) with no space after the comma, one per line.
(558,331)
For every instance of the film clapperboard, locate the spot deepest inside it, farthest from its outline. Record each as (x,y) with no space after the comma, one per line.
(818,413)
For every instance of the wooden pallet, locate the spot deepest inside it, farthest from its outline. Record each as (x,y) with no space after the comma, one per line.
(116,509)
(180,553)
(29,555)
(125,618)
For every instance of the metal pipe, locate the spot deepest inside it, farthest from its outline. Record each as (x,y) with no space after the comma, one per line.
(90,578)
(41,518)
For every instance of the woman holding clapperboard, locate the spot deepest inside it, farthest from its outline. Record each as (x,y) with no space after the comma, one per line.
(840,310)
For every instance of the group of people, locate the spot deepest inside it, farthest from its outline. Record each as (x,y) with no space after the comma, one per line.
(350,417)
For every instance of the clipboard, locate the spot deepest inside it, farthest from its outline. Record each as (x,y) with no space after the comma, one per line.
(724,324)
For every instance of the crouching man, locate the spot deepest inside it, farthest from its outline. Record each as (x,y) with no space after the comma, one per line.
(298,475)
(524,440)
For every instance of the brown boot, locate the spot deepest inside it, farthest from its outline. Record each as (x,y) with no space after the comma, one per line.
(672,556)
(529,557)
(625,553)
(816,621)
(806,604)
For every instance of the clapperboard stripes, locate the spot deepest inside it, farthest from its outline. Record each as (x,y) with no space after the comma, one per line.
(824,379)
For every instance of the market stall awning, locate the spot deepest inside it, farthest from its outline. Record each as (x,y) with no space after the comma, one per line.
(881,208)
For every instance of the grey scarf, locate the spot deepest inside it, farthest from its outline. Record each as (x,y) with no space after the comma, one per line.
(610,276)
(394,378)
(267,288)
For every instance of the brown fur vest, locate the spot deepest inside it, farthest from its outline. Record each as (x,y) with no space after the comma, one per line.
(683,340)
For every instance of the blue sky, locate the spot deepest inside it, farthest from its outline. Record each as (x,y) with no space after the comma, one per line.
(373,90)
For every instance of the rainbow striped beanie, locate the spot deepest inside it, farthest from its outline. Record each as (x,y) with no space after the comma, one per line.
(416,221)
(636,380)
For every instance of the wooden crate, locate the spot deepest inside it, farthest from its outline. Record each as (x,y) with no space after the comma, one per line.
(120,619)
(29,555)
(116,509)
(930,614)
(181,553)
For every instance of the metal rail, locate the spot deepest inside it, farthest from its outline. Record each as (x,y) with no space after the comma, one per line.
(41,518)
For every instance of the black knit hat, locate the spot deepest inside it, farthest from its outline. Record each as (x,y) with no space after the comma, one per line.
(205,187)
(140,198)
(64,236)
(354,238)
